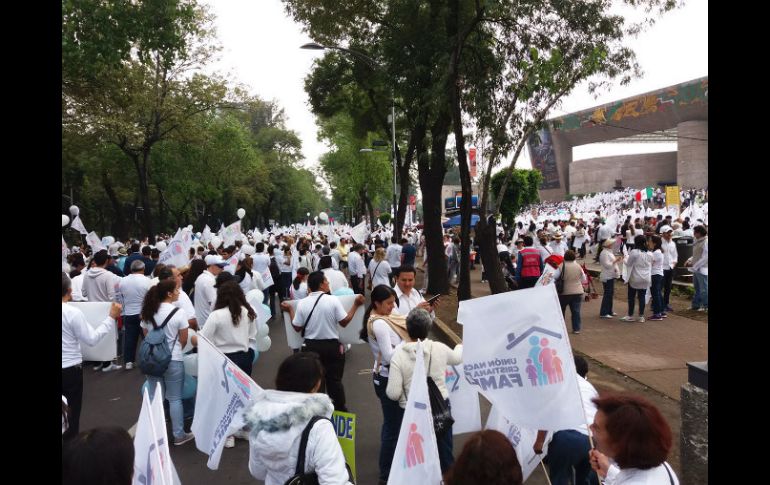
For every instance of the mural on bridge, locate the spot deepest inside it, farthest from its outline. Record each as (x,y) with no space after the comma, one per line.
(543,158)
(669,98)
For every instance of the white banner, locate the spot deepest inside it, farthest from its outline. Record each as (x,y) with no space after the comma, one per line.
(152,460)
(96,312)
(521,360)
(359,233)
(231,232)
(416,458)
(175,253)
(522,439)
(93,240)
(348,334)
(206,235)
(548,275)
(78,224)
(224,391)
(464,400)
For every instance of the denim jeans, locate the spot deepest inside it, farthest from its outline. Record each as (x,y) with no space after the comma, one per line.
(609,290)
(444,442)
(668,281)
(574,302)
(392,415)
(640,294)
(172,382)
(569,449)
(701,298)
(133,331)
(657,297)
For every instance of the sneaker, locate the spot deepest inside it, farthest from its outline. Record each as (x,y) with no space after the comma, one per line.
(576,332)
(664,315)
(656,318)
(230,442)
(184,439)
(112,367)
(641,319)
(703,309)
(98,367)
(614,314)
(606,316)
(129,365)
(627,318)
(669,309)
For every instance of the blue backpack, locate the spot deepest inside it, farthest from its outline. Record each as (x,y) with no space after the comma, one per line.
(154,353)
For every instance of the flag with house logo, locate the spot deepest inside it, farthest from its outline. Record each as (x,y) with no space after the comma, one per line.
(416,457)
(231,233)
(516,352)
(152,460)
(464,400)
(175,252)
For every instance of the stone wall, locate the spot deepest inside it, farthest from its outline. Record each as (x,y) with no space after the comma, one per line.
(642,170)
(693,154)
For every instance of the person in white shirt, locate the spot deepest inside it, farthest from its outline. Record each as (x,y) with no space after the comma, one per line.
(639,264)
(608,276)
(298,289)
(557,246)
(317,318)
(670,259)
(335,254)
(74,330)
(408,297)
(261,265)
(654,244)
(700,268)
(357,268)
(632,441)
(336,277)
(568,449)
(205,293)
(131,291)
(379,269)
(393,255)
(157,308)
(183,302)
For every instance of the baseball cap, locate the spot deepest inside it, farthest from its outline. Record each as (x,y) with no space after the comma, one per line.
(665,228)
(215,259)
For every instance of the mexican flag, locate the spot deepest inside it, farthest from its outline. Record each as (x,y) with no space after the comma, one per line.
(644,194)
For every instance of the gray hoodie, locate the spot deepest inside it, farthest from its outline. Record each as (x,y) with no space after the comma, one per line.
(100,285)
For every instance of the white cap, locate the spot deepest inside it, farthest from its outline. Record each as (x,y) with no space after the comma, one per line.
(665,229)
(215,259)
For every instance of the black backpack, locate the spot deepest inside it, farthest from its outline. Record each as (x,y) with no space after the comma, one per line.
(300,477)
(275,272)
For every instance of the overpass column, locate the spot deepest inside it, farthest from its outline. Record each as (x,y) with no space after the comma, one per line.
(563,152)
(692,154)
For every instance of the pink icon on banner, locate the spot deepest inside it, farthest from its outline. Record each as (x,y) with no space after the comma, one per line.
(414,453)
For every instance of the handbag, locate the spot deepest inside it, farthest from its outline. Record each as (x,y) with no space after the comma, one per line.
(442,414)
(559,282)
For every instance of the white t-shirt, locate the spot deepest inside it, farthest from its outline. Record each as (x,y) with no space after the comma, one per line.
(77,288)
(299,293)
(205,296)
(383,269)
(393,255)
(132,290)
(383,344)
(657,262)
(324,319)
(175,324)
(186,305)
(227,337)
(261,264)
(336,279)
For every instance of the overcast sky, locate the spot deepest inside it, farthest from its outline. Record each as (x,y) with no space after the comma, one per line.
(261,50)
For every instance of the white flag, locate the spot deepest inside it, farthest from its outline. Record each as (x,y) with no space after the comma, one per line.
(416,457)
(93,240)
(359,233)
(522,440)
(464,400)
(78,224)
(224,391)
(64,250)
(206,235)
(231,232)
(517,353)
(175,253)
(547,277)
(152,460)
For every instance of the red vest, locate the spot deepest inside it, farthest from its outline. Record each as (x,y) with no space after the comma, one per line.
(530,262)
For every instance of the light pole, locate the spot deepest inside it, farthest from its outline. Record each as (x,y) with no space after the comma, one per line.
(373,64)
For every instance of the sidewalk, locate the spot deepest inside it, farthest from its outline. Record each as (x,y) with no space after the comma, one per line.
(653,353)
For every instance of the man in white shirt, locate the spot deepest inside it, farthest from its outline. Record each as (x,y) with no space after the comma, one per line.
(317,317)
(205,293)
(357,268)
(605,232)
(670,258)
(336,277)
(131,291)
(408,297)
(74,330)
(557,245)
(700,269)
(393,255)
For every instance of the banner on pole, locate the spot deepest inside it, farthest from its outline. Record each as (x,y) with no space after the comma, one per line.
(672,196)
(348,334)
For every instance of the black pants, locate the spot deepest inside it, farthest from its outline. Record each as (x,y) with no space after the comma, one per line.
(668,281)
(358,284)
(243,360)
(528,282)
(72,389)
(599,251)
(333,360)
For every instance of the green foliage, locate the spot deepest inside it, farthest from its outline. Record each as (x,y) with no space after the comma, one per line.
(384,218)
(521,191)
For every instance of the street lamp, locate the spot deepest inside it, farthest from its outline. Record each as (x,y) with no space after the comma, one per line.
(374,64)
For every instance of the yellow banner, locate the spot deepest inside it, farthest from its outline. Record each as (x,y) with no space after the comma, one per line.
(672,195)
(345,426)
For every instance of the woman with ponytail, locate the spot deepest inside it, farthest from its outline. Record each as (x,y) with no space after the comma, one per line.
(158,305)
(384,331)
(298,289)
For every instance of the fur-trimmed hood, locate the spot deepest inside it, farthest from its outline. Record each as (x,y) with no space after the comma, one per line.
(279,411)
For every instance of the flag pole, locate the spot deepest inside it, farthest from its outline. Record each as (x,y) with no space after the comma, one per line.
(545,470)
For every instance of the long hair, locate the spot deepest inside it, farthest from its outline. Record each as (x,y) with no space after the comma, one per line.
(487,457)
(155,297)
(301,271)
(230,296)
(197,266)
(379,254)
(379,294)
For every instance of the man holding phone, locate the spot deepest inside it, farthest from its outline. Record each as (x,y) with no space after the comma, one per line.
(408,297)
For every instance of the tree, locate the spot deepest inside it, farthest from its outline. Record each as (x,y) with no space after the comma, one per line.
(522,190)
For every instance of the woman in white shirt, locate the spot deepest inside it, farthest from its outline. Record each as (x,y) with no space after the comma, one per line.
(384,331)
(608,275)
(298,288)
(157,306)
(379,269)
(655,244)
(639,266)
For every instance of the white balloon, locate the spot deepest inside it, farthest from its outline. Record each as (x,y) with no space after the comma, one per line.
(74,210)
(263,344)
(255,298)
(64,220)
(241,212)
(188,347)
(108,240)
(191,364)
(160,246)
(262,330)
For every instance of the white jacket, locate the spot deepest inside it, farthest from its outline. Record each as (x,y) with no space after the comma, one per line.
(437,357)
(277,420)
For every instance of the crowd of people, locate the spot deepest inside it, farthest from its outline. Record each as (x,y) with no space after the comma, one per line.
(216,291)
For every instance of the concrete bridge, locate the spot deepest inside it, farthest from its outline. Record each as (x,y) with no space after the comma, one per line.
(676,113)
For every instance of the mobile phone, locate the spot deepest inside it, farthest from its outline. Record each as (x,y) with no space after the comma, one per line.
(433,299)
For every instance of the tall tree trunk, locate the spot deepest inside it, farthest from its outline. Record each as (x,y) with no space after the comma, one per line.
(487,241)
(144,195)
(403,176)
(119,221)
